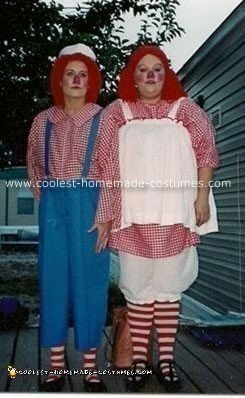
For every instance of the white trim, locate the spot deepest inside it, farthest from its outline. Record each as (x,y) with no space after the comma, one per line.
(126,110)
(173,111)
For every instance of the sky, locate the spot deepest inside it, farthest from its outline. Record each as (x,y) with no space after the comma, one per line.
(199,18)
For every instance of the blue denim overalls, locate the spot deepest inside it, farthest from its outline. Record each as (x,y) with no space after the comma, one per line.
(72,276)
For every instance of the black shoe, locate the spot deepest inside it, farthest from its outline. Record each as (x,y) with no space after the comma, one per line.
(53,386)
(91,386)
(170,381)
(136,382)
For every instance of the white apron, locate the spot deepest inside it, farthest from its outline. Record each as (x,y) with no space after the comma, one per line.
(158,152)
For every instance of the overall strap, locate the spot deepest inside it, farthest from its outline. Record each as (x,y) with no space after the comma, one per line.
(173,110)
(91,141)
(48,130)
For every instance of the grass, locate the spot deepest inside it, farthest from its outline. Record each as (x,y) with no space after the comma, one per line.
(15,286)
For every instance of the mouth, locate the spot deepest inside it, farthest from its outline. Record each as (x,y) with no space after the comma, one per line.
(150,82)
(76,87)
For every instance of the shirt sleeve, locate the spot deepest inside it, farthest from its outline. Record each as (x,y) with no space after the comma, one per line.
(202,133)
(104,211)
(34,173)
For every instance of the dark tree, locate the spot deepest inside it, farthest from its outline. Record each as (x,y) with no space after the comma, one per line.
(31,34)
(28,36)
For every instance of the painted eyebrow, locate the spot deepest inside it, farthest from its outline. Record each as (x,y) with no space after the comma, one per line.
(158,64)
(73,70)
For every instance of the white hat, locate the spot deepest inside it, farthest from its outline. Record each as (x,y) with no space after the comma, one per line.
(78,48)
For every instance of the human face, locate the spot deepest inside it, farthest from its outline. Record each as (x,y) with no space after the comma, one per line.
(75,80)
(149,78)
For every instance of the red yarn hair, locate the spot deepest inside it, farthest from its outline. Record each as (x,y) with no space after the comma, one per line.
(57,73)
(172,89)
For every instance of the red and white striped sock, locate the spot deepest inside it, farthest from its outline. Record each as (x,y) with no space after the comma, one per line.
(140,318)
(89,362)
(166,318)
(57,361)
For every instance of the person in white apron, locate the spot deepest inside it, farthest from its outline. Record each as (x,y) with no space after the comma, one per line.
(158,152)
(62,168)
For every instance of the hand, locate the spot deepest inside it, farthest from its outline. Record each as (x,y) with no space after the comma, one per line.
(202,211)
(103,235)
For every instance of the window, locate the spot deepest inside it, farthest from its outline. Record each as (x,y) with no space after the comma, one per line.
(216,117)
(25,206)
(25,201)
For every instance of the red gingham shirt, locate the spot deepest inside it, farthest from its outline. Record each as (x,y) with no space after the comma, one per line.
(68,144)
(151,240)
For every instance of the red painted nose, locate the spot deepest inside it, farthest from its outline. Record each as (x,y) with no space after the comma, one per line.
(150,75)
(76,79)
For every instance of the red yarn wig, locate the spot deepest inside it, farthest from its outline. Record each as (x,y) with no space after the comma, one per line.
(172,89)
(57,72)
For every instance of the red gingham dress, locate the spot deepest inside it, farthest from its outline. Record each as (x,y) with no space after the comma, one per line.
(151,240)
(67,146)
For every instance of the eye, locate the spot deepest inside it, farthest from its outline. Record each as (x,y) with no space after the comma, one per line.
(158,69)
(142,70)
(83,74)
(69,73)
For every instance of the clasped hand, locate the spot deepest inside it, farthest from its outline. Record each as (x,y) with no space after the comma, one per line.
(103,230)
(202,211)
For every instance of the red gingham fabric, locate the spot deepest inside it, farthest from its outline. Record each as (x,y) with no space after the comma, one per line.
(151,241)
(67,145)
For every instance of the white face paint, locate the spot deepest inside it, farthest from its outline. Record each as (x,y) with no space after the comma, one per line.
(75,80)
(149,77)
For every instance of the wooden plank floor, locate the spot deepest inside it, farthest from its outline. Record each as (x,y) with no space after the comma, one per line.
(202,369)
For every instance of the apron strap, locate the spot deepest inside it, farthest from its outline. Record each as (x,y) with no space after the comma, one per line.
(126,110)
(48,130)
(91,141)
(173,110)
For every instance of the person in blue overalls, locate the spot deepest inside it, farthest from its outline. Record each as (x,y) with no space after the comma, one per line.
(64,175)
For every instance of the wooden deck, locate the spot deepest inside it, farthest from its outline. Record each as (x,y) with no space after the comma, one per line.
(202,369)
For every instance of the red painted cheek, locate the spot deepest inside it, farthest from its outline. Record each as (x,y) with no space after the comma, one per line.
(83,83)
(139,77)
(160,77)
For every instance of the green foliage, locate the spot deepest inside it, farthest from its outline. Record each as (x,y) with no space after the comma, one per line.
(32,32)
(28,36)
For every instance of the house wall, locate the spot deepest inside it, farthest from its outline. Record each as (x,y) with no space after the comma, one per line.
(216,72)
